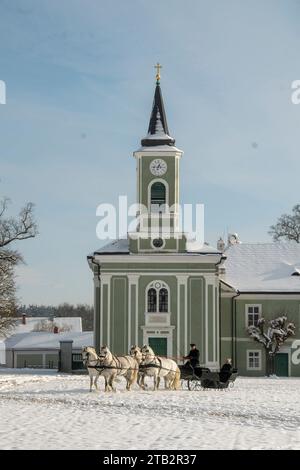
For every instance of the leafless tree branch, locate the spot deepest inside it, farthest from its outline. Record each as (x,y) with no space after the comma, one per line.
(287,226)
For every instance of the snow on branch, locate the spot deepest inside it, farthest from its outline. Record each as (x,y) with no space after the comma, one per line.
(274,335)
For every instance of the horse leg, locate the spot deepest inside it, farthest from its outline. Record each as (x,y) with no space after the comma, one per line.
(96,381)
(91,382)
(128,385)
(128,381)
(107,386)
(169,379)
(166,383)
(111,380)
(141,381)
(158,381)
(132,379)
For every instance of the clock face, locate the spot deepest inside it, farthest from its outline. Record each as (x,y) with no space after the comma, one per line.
(157,242)
(158,167)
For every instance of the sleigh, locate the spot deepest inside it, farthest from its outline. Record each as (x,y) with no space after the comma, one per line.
(200,378)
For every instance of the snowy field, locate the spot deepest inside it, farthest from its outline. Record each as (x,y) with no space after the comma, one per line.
(46,410)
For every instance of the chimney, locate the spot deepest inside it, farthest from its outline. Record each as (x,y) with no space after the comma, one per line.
(23,318)
(233,239)
(55,329)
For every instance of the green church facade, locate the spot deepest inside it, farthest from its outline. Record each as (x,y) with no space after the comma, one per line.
(192,313)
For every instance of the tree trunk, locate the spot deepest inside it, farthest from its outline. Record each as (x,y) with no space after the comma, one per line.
(272,359)
(270,364)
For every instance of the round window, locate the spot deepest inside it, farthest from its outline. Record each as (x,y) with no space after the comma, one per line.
(158,242)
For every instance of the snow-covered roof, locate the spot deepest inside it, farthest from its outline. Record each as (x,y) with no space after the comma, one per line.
(116,246)
(159,148)
(72,323)
(121,246)
(34,341)
(193,246)
(263,267)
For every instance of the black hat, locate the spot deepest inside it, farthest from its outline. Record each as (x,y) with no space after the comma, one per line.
(192,344)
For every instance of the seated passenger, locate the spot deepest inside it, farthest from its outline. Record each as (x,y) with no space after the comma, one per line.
(226,370)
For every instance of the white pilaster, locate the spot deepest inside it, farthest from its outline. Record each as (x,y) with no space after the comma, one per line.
(211,280)
(96,312)
(182,281)
(105,281)
(133,280)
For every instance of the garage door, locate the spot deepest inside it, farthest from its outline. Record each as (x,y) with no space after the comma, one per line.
(282,364)
(29,360)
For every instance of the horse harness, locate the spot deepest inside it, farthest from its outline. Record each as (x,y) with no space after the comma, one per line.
(154,365)
(101,367)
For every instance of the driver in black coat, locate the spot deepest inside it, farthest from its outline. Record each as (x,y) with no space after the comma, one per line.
(193,357)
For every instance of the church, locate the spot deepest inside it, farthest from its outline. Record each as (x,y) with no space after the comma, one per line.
(162,288)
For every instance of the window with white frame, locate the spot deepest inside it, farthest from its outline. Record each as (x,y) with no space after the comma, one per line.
(157,297)
(253,360)
(253,313)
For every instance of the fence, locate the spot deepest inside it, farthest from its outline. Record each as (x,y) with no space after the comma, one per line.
(77,362)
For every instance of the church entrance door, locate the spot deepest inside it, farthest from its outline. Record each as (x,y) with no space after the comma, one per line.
(159,345)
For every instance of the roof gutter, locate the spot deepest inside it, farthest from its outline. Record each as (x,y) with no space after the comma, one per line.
(96,329)
(234,328)
(222,259)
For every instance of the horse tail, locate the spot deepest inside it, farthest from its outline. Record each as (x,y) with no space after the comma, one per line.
(176,381)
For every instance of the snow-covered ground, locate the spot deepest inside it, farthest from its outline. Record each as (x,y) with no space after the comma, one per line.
(46,410)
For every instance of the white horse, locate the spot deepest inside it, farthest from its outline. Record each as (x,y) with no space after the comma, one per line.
(135,352)
(157,367)
(91,360)
(113,366)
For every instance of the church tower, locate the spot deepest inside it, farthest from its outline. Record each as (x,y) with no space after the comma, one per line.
(157,287)
(157,173)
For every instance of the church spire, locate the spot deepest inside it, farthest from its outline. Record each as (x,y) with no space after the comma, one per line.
(158,132)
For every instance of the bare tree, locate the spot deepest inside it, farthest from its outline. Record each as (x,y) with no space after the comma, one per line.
(11,230)
(287,226)
(7,292)
(272,337)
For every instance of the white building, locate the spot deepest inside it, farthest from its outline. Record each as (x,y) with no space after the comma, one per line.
(27,324)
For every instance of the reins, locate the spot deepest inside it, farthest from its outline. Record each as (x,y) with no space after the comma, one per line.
(141,367)
(102,367)
(155,365)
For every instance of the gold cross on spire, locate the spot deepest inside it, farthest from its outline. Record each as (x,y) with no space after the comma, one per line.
(157,67)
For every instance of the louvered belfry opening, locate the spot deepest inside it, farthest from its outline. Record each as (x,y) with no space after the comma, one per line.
(158,195)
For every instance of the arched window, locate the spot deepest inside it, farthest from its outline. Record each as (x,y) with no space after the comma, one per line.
(158,196)
(152,300)
(163,300)
(157,297)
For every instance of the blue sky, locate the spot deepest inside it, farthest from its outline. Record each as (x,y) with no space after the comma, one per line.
(80,84)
